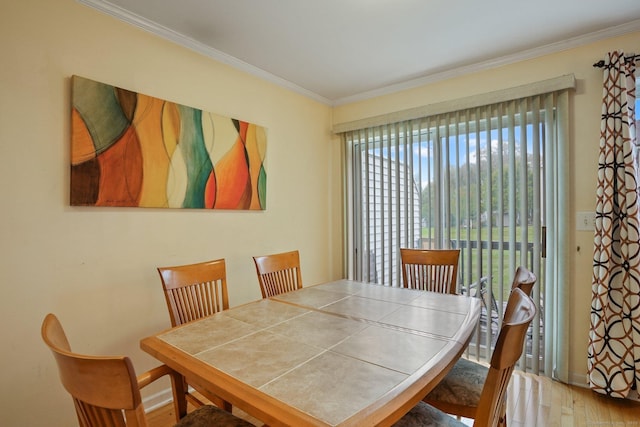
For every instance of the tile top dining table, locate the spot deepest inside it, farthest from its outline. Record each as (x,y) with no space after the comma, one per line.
(343,353)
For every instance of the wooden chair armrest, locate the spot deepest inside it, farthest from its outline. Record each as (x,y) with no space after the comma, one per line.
(177,385)
(154,374)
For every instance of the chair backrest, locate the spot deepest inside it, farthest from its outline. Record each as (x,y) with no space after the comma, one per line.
(430,269)
(278,273)
(524,279)
(195,290)
(104,389)
(509,346)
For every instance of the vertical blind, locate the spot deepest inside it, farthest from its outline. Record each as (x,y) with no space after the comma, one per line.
(476,179)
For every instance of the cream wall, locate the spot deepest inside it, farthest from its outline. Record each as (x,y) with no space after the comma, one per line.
(584,141)
(95,267)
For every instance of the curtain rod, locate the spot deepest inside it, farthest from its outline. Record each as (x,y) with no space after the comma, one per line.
(600,63)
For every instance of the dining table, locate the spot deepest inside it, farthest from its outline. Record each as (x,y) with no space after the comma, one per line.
(342,353)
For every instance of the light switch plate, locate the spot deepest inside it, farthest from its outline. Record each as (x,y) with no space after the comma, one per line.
(585,221)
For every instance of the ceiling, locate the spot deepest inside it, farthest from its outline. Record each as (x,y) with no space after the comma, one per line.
(339,51)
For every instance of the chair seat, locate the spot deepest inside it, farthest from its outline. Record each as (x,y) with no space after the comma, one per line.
(462,386)
(209,416)
(423,415)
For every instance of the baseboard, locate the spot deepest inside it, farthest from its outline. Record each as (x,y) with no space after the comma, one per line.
(157,400)
(579,380)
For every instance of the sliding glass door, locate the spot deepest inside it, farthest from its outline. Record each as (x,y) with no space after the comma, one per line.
(474,180)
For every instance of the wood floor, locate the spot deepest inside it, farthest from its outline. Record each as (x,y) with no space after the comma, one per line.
(539,401)
(533,401)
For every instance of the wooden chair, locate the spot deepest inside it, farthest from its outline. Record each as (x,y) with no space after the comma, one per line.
(459,391)
(479,289)
(106,391)
(430,269)
(278,273)
(194,291)
(523,279)
(491,404)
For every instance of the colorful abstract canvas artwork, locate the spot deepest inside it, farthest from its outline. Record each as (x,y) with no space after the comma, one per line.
(130,149)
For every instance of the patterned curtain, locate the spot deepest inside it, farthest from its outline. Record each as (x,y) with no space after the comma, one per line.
(614,337)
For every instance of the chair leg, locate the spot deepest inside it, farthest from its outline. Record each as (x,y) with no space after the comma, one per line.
(178,385)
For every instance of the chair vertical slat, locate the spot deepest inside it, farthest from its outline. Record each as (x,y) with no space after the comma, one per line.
(184,298)
(216,293)
(200,305)
(191,302)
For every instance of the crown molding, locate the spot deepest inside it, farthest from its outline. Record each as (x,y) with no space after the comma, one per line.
(189,43)
(166,33)
(497,62)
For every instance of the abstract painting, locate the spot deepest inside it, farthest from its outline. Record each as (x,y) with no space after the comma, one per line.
(134,150)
